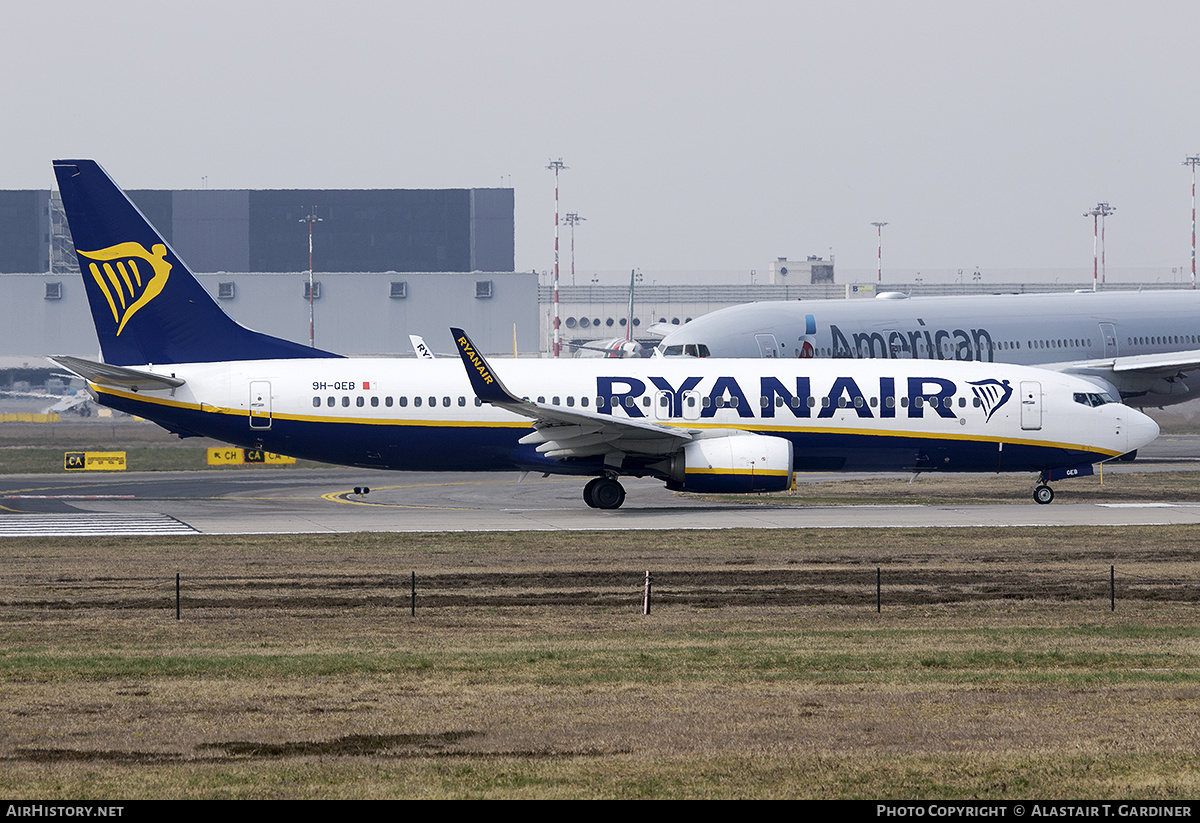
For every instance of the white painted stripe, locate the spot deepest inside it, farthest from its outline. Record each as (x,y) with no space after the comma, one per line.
(90,525)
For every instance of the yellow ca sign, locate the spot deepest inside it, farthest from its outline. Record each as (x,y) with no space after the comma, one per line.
(229,456)
(120,277)
(94,461)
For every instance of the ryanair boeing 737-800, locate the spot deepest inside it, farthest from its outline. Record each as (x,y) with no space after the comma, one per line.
(172,356)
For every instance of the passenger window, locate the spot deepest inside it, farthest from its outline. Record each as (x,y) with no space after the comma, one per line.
(446,402)
(462,401)
(329,401)
(316,402)
(374,400)
(387,401)
(417,401)
(359,401)
(345,401)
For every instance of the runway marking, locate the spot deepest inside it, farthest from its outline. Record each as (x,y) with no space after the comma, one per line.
(344,496)
(91,525)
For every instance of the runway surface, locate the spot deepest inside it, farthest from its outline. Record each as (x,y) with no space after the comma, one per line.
(284,500)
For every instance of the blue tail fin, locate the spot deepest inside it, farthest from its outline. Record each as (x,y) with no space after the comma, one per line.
(147,305)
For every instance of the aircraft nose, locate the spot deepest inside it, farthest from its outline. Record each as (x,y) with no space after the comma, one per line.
(1140,430)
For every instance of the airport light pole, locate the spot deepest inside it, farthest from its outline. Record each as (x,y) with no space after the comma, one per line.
(312,218)
(879,255)
(556,166)
(1193,161)
(1097,214)
(573,219)
(1105,211)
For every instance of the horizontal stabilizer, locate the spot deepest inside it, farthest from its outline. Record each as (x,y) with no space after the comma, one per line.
(119,377)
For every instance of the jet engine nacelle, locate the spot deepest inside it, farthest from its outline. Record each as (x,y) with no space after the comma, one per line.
(733,464)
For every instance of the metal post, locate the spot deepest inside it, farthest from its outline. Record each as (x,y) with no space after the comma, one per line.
(556,166)
(1193,161)
(412,608)
(879,255)
(312,218)
(1112,588)
(878,590)
(646,595)
(177,617)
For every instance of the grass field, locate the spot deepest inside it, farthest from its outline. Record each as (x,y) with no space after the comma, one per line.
(995,668)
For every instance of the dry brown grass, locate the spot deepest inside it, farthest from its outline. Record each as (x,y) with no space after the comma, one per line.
(995,669)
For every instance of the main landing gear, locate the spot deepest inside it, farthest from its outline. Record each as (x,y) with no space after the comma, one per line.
(1043,493)
(604,493)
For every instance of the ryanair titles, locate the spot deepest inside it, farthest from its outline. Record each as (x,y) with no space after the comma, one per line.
(921,344)
(776,399)
(479,364)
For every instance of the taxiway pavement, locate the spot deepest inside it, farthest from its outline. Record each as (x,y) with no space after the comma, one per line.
(285,500)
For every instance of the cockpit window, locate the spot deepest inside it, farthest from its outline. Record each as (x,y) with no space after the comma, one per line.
(1093,398)
(685,350)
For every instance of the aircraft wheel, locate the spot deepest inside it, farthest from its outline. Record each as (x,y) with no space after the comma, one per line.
(589,492)
(1128,457)
(1043,494)
(607,494)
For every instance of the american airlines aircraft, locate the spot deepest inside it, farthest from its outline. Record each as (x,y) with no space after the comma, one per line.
(173,356)
(1141,346)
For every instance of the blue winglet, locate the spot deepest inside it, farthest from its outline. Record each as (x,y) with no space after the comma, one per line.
(484,382)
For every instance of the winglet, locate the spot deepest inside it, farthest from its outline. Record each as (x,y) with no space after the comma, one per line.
(484,382)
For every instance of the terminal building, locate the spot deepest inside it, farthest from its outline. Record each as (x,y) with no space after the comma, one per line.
(388,263)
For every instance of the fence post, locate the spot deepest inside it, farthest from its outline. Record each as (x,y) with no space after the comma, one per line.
(646,595)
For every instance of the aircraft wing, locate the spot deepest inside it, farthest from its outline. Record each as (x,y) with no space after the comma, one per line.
(1158,364)
(1150,365)
(561,432)
(119,377)
(1140,373)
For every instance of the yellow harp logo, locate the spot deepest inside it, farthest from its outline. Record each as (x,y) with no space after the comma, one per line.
(126,285)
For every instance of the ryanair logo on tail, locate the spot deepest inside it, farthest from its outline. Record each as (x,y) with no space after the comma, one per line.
(126,283)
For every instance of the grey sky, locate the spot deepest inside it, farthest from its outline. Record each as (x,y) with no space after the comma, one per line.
(697,135)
